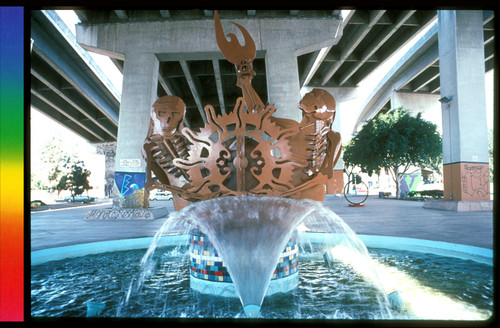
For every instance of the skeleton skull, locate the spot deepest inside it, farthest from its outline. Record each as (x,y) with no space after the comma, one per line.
(169,111)
(318,105)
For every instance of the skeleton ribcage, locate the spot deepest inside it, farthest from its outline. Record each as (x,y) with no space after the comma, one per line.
(168,149)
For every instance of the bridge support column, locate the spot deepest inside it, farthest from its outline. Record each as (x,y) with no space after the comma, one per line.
(140,76)
(283,85)
(108,149)
(465,137)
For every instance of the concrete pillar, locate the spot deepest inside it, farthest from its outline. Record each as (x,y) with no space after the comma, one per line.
(283,85)
(465,134)
(108,149)
(427,104)
(140,76)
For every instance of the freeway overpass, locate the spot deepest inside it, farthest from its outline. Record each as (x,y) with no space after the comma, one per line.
(67,85)
(417,72)
(365,39)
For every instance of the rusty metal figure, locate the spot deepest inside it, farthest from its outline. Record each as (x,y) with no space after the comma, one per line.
(240,153)
(322,144)
(245,152)
(242,57)
(317,143)
(164,143)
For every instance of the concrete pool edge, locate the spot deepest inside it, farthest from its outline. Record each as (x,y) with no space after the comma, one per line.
(477,254)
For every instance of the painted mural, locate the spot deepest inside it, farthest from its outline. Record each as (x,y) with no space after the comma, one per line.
(130,189)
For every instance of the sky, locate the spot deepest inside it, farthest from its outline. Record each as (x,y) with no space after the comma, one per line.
(348,111)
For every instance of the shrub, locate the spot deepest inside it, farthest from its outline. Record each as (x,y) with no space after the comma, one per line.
(426,193)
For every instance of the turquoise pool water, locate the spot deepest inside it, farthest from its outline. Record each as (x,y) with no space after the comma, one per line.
(463,289)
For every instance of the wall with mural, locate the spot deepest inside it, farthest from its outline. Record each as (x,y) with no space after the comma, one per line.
(129,188)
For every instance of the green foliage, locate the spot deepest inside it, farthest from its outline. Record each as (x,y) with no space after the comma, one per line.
(36,183)
(426,193)
(53,158)
(394,141)
(75,179)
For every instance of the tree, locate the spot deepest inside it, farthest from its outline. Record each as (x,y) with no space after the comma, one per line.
(76,178)
(395,142)
(36,183)
(54,157)
(348,160)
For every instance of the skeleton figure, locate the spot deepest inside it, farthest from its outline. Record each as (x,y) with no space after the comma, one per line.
(322,144)
(164,143)
(245,151)
(316,143)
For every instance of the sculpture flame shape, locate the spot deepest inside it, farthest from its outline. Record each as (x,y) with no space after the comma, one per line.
(232,50)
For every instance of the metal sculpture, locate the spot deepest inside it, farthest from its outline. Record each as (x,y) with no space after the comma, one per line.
(244,152)
(163,144)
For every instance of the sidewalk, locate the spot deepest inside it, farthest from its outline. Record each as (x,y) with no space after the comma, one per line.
(404,218)
(62,224)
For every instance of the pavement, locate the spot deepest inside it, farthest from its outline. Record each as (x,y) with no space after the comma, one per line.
(63,224)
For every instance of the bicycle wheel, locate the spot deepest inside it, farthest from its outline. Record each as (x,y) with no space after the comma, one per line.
(355,193)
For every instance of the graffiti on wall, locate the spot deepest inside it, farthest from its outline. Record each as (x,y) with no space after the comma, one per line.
(410,182)
(476,180)
(120,214)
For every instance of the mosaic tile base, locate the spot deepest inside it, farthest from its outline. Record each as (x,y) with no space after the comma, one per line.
(226,289)
(205,262)
(207,266)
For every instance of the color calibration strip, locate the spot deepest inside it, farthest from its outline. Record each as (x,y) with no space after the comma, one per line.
(11,164)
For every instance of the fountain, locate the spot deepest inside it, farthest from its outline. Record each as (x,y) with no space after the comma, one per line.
(246,228)
(336,276)
(250,233)
(248,184)
(247,166)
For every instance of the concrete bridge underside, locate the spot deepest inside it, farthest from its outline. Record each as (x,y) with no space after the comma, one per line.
(174,52)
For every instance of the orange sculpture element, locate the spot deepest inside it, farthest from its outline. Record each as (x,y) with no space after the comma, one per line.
(244,152)
(242,57)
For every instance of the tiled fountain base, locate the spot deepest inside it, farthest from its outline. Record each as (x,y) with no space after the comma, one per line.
(209,274)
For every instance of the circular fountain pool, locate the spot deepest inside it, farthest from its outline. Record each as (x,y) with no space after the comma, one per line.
(431,286)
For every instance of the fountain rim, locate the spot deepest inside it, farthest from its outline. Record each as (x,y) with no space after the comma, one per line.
(461,251)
